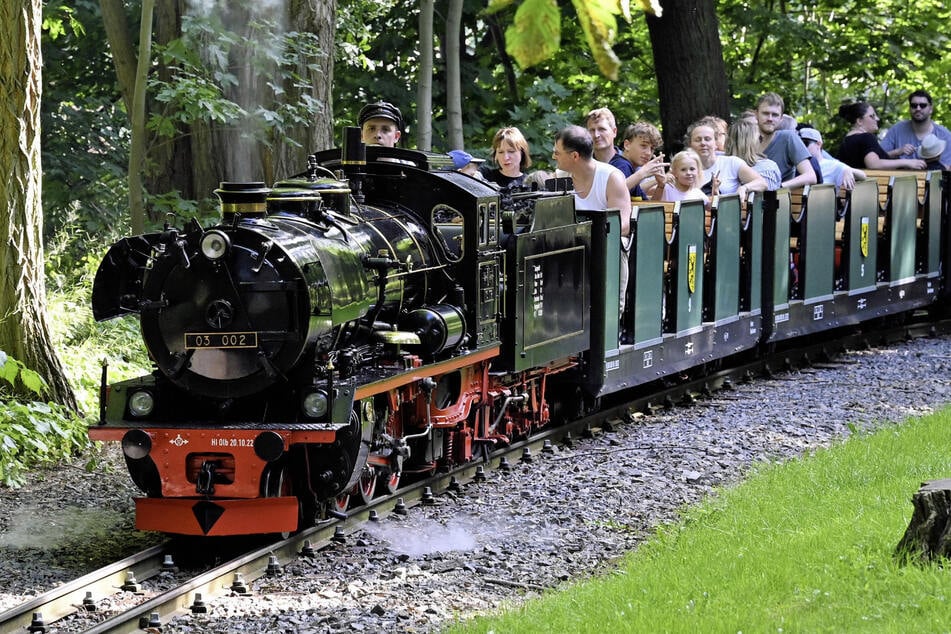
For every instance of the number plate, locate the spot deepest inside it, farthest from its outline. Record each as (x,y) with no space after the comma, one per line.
(203,340)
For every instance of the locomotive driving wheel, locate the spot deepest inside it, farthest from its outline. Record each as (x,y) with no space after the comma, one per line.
(276,481)
(340,503)
(363,491)
(390,482)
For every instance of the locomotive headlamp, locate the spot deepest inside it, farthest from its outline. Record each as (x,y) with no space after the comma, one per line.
(136,444)
(315,404)
(141,403)
(214,244)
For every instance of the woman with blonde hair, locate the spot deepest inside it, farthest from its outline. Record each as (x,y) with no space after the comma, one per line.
(743,142)
(722,173)
(511,154)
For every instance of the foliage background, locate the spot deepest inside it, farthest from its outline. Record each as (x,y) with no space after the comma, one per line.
(815,54)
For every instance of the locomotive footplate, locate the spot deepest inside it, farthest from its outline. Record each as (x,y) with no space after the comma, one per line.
(216,517)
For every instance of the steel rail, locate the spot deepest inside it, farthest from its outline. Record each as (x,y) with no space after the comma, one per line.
(68,598)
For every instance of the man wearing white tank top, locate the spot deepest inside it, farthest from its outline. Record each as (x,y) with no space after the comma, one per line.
(597,185)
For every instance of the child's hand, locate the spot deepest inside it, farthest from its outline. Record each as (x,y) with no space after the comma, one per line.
(656,165)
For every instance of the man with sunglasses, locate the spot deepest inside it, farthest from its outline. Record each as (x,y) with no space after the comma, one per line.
(908,134)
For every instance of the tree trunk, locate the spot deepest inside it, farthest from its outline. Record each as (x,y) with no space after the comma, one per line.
(171,164)
(121,47)
(137,116)
(453,77)
(498,38)
(23,330)
(928,536)
(688,60)
(196,161)
(424,81)
(318,17)
(206,172)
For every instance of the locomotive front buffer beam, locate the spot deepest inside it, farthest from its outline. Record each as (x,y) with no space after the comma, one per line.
(239,478)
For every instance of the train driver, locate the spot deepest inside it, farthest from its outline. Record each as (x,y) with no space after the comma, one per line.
(381,123)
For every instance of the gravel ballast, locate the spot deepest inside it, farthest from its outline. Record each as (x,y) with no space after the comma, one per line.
(562,517)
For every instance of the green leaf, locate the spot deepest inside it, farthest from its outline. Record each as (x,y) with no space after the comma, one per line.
(651,7)
(33,381)
(9,371)
(600,28)
(39,444)
(40,426)
(498,5)
(57,429)
(536,33)
(624,8)
(8,443)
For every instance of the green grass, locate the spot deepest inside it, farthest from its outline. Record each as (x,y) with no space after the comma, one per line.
(806,546)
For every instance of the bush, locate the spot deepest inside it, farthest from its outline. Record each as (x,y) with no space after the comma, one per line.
(32,433)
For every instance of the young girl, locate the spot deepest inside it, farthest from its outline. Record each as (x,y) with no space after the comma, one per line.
(685,169)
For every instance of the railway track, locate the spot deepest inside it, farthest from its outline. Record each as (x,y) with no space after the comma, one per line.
(237,575)
(81,593)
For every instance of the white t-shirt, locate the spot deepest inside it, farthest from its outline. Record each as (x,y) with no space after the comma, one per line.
(833,171)
(728,168)
(672,194)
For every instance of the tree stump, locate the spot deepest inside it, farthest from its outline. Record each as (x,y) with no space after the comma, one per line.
(928,536)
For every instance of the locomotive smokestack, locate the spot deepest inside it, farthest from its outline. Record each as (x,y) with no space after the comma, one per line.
(242,198)
(354,158)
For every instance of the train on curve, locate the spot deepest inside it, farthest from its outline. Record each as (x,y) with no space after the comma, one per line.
(382,316)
